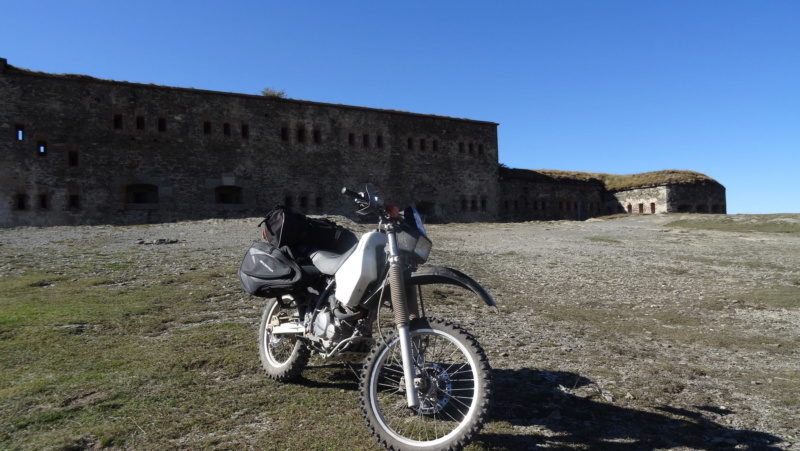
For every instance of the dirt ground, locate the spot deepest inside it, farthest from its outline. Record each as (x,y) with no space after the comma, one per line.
(629,333)
(622,333)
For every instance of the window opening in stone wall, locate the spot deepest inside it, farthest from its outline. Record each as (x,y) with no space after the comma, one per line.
(228,194)
(461,147)
(207,127)
(410,144)
(19,132)
(42,148)
(351,139)
(435,144)
(245,131)
(226,129)
(544,205)
(162,124)
(483,203)
(422,146)
(317,136)
(471,148)
(516,205)
(701,208)
(141,193)
(505,204)
(473,204)
(318,202)
(44,202)
(139,122)
(74,202)
(716,208)
(464,204)
(365,140)
(72,158)
(284,133)
(301,135)
(287,201)
(652,208)
(20,202)
(117,122)
(303,202)
(379,141)
(480,149)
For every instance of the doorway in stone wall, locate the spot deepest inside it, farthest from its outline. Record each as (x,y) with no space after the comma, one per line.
(652,208)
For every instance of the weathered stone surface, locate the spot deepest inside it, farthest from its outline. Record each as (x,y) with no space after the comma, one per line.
(80,150)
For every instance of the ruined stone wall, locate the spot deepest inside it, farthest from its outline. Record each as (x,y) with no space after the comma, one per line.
(647,200)
(77,150)
(698,198)
(528,196)
(670,198)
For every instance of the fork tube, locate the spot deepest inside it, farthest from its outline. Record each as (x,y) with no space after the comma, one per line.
(398,286)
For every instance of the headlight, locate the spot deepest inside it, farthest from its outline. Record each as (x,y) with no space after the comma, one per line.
(423,248)
(411,238)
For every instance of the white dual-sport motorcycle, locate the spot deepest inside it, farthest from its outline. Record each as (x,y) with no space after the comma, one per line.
(425,382)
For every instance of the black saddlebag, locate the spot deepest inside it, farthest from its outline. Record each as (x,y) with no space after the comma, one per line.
(267,271)
(286,227)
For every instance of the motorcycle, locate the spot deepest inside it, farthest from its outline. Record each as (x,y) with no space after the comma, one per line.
(425,381)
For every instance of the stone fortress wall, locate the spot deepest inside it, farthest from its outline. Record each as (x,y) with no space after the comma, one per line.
(80,150)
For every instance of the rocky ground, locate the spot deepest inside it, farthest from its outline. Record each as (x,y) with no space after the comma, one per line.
(620,333)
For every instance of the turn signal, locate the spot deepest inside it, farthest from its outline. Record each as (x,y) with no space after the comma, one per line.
(393,211)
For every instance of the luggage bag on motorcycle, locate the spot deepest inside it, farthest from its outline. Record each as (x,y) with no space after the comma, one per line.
(286,227)
(267,271)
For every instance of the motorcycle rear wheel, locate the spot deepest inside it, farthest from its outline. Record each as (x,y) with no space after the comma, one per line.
(283,356)
(452,383)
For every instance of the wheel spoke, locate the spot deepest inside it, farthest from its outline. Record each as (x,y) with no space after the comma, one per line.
(282,356)
(449,384)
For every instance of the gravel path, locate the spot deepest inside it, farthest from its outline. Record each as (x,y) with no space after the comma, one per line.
(618,334)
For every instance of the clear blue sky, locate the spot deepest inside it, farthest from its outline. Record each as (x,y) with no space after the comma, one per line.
(591,85)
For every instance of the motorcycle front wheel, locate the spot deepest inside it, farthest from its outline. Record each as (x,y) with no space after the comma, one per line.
(283,356)
(452,383)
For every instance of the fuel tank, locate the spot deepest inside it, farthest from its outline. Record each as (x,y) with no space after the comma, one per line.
(360,269)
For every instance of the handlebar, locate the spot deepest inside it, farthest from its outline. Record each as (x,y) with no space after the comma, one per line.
(351,193)
(368,203)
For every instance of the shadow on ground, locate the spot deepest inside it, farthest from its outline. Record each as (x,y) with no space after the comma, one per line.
(543,401)
(543,407)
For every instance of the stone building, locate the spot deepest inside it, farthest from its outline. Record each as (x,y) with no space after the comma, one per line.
(548,194)
(79,150)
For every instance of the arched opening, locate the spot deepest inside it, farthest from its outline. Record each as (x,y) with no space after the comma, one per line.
(228,194)
(141,193)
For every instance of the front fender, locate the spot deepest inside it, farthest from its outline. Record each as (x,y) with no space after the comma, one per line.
(429,275)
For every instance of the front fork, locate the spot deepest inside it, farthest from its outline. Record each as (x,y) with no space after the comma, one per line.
(401,319)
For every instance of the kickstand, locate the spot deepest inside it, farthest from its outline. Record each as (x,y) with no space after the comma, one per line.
(353,369)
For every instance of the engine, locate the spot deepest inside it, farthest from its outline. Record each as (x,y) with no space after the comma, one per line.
(328,327)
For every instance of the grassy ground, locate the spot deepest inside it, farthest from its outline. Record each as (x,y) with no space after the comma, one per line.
(746,223)
(142,349)
(95,362)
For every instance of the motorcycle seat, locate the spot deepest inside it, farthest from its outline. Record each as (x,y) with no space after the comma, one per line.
(328,262)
